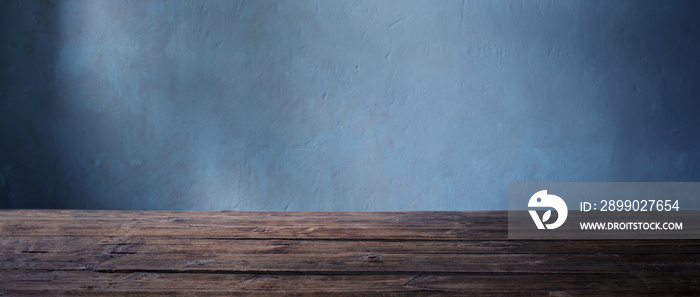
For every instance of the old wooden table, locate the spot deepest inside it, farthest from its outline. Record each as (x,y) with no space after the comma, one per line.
(54,253)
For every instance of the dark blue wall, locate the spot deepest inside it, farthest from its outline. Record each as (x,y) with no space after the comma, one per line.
(340,105)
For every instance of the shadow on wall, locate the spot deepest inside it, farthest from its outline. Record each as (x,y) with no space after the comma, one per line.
(332,105)
(654,98)
(30,175)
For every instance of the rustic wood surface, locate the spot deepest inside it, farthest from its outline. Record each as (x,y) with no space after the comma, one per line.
(136,253)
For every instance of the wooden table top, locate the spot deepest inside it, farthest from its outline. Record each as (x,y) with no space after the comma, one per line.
(140,253)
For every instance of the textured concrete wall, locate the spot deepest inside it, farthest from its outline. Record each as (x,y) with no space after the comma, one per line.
(340,105)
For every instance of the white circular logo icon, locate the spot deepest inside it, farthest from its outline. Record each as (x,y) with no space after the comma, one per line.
(542,199)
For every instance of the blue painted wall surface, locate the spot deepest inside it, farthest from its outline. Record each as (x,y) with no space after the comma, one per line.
(340,105)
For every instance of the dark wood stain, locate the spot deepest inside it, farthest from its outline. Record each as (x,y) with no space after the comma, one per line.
(138,253)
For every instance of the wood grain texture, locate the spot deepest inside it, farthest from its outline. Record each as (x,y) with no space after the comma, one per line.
(136,253)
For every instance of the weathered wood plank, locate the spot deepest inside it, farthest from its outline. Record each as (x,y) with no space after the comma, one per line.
(264,232)
(353,262)
(87,282)
(303,225)
(149,244)
(179,219)
(94,282)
